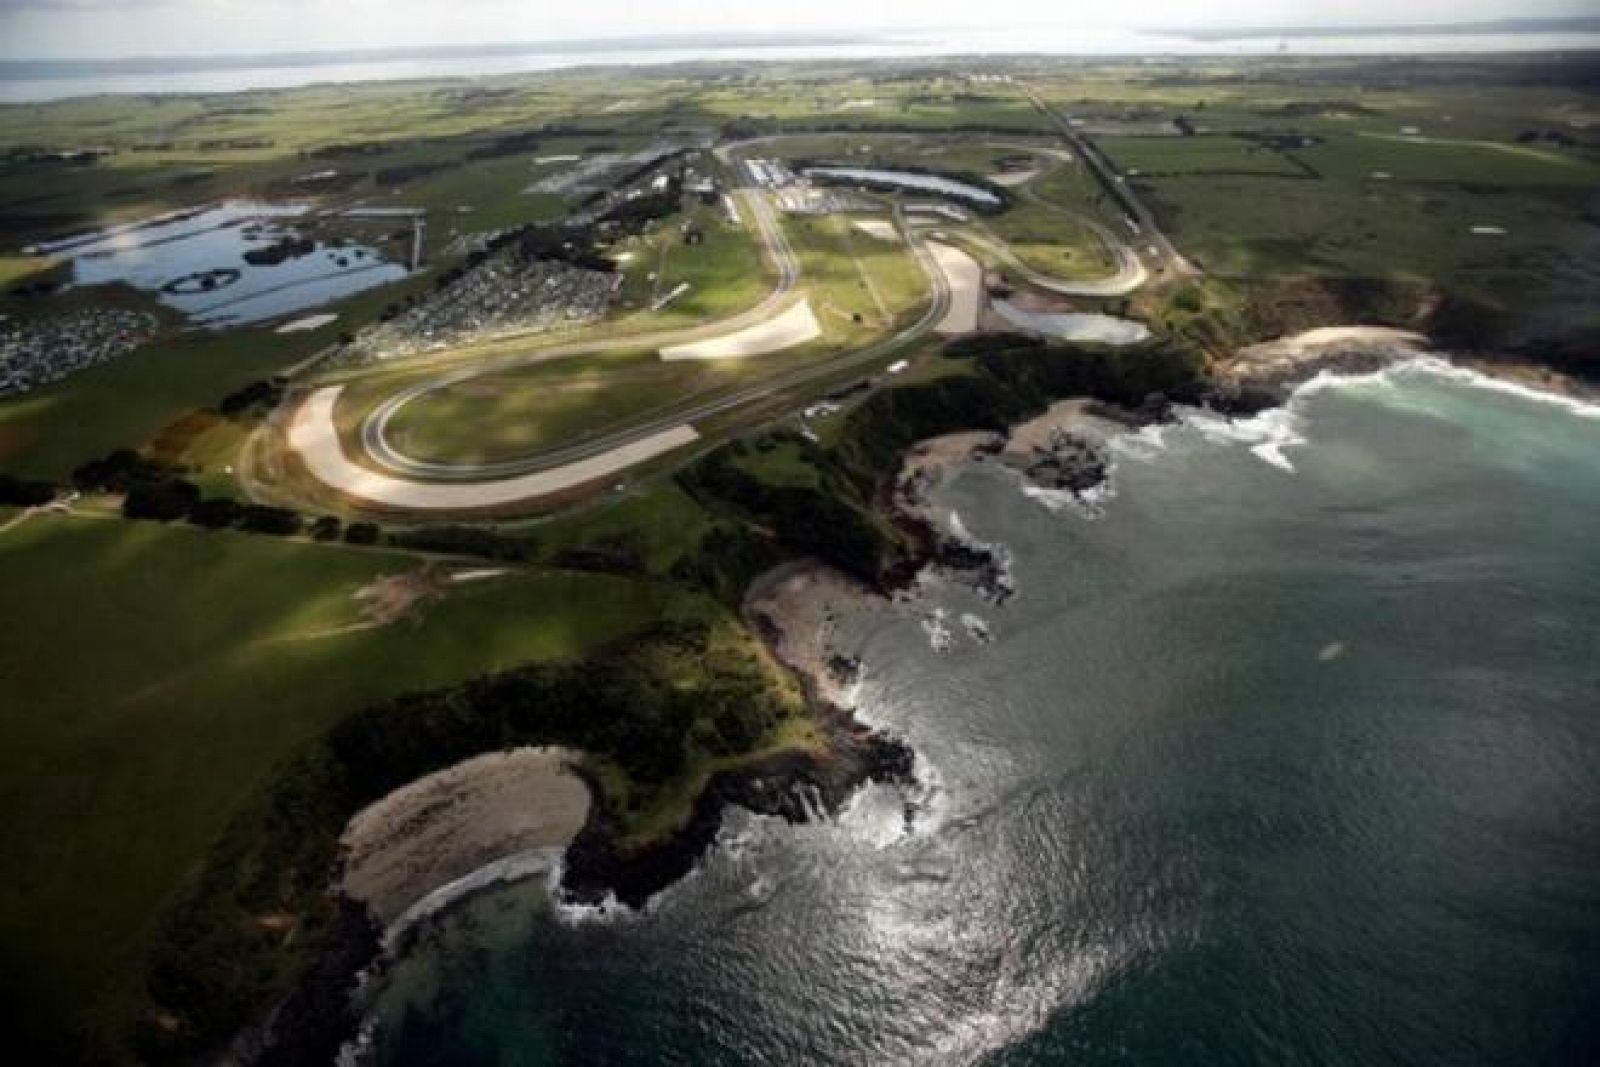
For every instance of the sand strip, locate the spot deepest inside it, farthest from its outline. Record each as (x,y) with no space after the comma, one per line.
(1012,178)
(444,827)
(878,228)
(793,327)
(309,322)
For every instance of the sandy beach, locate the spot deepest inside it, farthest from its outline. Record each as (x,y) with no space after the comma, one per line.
(1288,361)
(441,828)
(796,610)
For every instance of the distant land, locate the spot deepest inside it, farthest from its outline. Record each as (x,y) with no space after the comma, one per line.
(1579,24)
(73,67)
(902,41)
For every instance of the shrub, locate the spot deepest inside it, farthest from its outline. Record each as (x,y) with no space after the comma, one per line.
(326,528)
(362,533)
(464,541)
(215,513)
(162,500)
(22,493)
(259,518)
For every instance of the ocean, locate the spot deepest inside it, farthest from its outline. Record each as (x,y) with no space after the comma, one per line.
(1286,751)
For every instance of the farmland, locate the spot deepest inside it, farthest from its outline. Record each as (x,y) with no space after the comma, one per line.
(158,673)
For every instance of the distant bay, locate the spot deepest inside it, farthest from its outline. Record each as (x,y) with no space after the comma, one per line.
(23,81)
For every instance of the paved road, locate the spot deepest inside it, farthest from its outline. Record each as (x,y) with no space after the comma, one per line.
(1167,256)
(385,456)
(606,451)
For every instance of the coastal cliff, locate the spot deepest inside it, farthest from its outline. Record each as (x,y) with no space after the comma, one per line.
(664,760)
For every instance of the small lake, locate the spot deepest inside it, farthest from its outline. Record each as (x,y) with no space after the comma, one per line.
(215,264)
(1074,326)
(925,183)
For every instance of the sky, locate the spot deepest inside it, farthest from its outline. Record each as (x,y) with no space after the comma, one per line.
(117,28)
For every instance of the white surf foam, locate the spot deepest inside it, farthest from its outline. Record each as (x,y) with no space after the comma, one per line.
(977,628)
(516,868)
(1267,434)
(1443,368)
(937,628)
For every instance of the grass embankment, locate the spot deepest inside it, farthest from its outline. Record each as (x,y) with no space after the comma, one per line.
(155,676)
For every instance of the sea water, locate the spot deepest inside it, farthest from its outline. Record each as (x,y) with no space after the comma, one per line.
(1287,751)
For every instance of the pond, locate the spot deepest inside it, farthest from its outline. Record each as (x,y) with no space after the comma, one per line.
(1074,326)
(231,264)
(927,183)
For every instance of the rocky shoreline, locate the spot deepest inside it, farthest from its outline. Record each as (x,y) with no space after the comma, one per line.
(794,610)
(789,785)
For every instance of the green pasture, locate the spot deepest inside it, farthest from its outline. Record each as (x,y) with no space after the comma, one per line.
(154,676)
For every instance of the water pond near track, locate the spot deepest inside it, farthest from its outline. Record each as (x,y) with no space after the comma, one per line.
(1074,326)
(195,262)
(926,183)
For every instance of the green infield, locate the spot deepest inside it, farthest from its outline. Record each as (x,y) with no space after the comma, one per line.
(565,401)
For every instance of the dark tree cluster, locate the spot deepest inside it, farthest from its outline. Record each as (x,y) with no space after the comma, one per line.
(458,540)
(260,395)
(25,492)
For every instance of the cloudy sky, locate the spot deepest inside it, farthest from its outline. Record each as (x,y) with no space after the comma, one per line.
(57,28)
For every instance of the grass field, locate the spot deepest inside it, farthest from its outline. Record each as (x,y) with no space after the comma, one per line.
(660,524)
(858,286)
(1193,155)
(1243,226)
(724,272)
(516,412)
(154,676)
(1480,163)
(1051,242)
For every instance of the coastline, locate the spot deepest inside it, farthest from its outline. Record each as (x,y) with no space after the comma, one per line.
(794,609)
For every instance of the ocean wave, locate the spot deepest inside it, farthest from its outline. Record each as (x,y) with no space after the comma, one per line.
(1270,434)
(977,628)
(1454,372)
(1267,434)
(882,815)
(1087,503)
